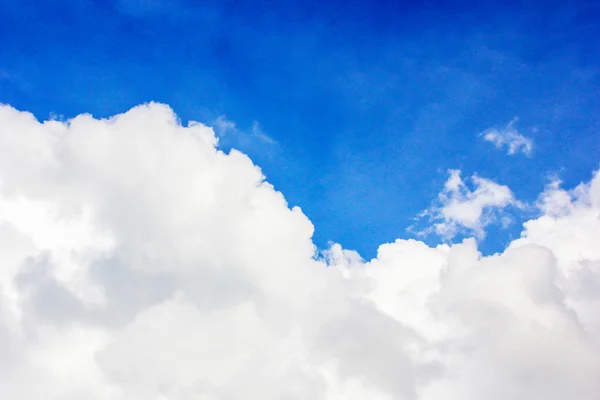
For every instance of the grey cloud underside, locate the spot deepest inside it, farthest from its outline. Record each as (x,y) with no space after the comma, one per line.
(140,262)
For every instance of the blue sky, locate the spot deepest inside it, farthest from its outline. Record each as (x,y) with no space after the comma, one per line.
(368,104)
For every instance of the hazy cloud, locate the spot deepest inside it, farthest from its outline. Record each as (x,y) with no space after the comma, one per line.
(230,134)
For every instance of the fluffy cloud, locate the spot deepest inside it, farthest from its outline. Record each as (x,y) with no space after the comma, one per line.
(140,262)
(509,138)
(460,209)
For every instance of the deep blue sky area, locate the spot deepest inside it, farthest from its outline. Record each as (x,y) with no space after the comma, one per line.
(369,102)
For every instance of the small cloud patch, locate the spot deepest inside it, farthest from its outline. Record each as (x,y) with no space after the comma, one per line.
(461,209)
(509,138)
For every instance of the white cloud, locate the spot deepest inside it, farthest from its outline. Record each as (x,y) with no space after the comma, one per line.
(139,262)
(509,138)
(460,209)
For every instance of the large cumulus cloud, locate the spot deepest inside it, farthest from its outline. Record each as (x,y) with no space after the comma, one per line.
(140,262)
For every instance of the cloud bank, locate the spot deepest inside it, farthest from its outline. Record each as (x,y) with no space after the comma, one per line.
(509,138)
(141,262)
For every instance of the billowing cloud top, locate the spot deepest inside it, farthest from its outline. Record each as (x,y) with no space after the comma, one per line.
(140,262)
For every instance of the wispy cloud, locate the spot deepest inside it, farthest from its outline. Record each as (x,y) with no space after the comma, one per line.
(258,133)
(509,138)
(230,135)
